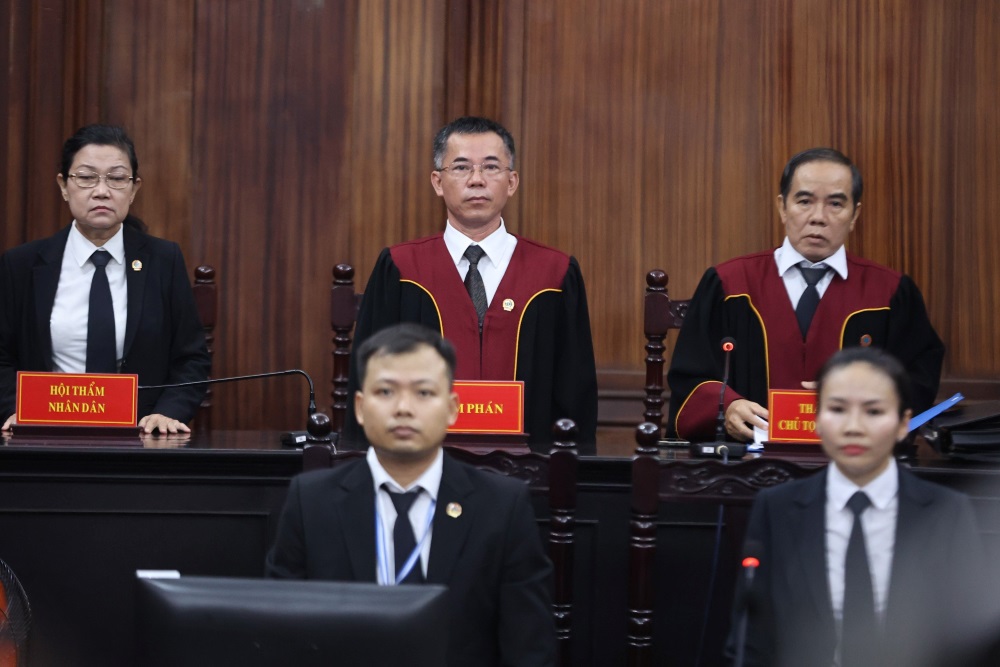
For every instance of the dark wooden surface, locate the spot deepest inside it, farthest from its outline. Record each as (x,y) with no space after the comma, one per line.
(77,522)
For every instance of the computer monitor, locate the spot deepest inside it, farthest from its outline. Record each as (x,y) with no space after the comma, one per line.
(214,621)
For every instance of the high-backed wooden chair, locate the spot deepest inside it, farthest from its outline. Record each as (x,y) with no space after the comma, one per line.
(656,481)
(660,315)
(206,299)
(553,476)
(344,305)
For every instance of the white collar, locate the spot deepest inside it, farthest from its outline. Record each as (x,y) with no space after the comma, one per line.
(787,256)
(81,248)
(880,490)
(493,245)
(429,481)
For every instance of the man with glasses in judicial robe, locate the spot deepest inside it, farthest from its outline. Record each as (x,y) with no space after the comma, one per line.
(514,309)
(789,309)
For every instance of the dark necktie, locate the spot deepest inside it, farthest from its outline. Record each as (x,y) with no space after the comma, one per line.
(403,540)
(474,281)
(102,356)
(859,635)
(810,298)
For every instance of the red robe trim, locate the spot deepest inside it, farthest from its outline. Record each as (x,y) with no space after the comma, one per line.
(533,270)
(751,288)
(756,279)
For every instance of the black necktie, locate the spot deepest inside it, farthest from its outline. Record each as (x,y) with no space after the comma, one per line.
(102,356)
(859,634)
(474,281)
(810,298)
(403,540)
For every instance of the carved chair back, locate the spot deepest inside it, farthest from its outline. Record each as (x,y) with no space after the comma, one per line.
(206,300)
(656,481)
(660,315)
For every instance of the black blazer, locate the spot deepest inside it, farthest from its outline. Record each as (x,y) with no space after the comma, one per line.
(490,556)
(164,339)
(934,587)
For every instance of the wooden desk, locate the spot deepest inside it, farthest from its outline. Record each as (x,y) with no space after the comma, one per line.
(75,524)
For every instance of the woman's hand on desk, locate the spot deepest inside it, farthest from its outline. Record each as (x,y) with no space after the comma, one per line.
(10,422)
(163,424)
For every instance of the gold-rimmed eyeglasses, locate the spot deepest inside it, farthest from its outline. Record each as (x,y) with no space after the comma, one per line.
(464,170)
(87,180)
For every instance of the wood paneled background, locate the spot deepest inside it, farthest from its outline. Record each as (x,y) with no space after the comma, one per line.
(278,138)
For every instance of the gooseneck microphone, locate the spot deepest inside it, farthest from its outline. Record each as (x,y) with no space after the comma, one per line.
(750,564)
(721,448)
(293,371)
(728,344)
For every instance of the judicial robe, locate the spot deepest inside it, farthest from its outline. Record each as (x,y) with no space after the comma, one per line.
(746,298)
(536,329)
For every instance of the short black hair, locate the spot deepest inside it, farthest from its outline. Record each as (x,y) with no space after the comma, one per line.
(98,135)
(471,125)
(402,339)
(821,155)
(878,359)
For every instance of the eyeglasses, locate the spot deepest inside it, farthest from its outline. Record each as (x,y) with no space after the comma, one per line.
(464,170)
(88,180)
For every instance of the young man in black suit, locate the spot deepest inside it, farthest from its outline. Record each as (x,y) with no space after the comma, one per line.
(473,531)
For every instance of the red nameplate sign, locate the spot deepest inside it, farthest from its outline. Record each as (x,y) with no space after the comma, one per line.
(70,399)
(489,407)
(792,415)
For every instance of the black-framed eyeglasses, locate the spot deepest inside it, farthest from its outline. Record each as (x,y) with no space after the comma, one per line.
(87,180)
(463,170)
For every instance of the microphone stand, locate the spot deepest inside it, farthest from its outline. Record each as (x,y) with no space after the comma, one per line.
(721,448)
(318,424)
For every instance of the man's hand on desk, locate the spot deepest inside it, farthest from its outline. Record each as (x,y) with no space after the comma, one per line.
(10,422)
(163,424)
(742,412)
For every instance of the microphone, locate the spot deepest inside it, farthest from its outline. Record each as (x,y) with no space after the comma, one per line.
(728,344)
(750,564)
(721,448)
(293,371)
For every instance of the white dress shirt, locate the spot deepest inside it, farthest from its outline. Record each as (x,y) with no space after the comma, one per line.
(430,482)
(878,523)
(498,246)
(787,257)
(71,308)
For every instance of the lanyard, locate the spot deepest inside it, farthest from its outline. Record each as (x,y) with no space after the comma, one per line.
(381,547)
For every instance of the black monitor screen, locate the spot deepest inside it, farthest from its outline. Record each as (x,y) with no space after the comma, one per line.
(226,621)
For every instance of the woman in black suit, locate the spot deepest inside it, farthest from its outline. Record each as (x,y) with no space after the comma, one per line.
(862,563)
(148,324)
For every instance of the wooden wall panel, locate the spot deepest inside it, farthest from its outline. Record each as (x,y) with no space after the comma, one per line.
(279,138)
(147,86)
(626,148)
(14,118)
(655,132)
(40,84)
(397,106)
(272,93)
